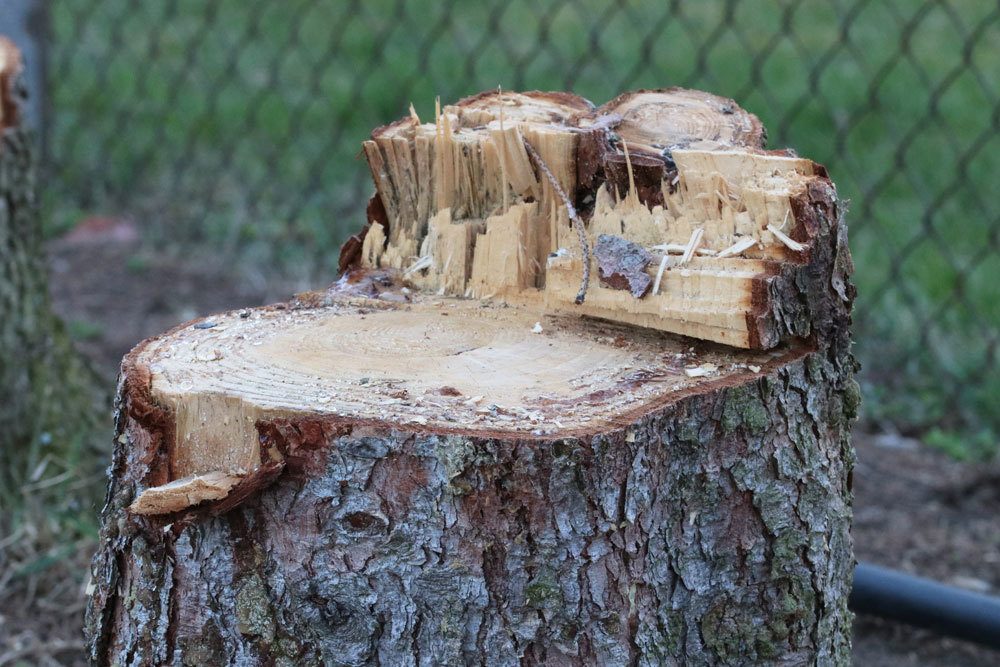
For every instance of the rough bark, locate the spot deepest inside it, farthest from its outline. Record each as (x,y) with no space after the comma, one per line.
(46,392)
(709,526)
(714,531)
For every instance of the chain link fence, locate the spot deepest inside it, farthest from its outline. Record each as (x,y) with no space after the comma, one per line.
(234,127)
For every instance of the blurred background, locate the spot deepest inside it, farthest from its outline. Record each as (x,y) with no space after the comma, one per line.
(198,155)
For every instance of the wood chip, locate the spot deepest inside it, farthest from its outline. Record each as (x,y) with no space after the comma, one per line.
(700,371)
(183,493)
(679,248)
(659,274)
(419,265)
(739,247)
(787,240)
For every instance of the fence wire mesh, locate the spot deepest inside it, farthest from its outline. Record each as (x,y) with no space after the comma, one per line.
(235,126)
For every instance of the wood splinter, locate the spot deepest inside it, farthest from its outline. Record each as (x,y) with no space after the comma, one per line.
(183,493)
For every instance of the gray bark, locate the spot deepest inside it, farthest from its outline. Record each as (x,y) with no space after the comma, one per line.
(715,531)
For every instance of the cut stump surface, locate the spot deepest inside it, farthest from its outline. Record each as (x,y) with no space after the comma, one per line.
(447,365)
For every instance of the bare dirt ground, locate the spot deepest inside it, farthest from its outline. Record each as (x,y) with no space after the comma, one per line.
(915,509)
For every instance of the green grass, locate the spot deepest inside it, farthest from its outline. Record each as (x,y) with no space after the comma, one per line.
(235,127)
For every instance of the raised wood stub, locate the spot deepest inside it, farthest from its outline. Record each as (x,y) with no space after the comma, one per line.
(680,173)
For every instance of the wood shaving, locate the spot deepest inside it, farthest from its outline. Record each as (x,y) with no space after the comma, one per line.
(701,371)
(424,262)
(183,493)
(695,241)
(679,248)
(784,238)
(739,247)
(659,274)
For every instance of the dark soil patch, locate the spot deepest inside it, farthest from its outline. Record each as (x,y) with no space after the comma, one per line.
(922,512)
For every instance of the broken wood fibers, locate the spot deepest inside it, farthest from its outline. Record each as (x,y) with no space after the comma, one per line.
(464,212)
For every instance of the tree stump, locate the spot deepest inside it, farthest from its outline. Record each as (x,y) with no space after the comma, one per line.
(446,458)
(47,393)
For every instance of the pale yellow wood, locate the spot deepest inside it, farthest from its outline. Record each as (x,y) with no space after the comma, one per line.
(183,493)
(504,256)
(726,201)
(373,247)
(691,301)
(658,119)
(448,245)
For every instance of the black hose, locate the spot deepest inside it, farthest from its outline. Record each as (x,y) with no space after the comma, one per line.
(926,604)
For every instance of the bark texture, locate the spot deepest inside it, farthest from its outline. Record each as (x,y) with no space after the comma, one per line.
(47,395)
(715,531)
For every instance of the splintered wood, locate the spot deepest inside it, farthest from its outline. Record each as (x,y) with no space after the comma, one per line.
(505,194)
(184,492)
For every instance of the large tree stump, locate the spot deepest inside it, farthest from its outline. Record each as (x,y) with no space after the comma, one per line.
(394,472)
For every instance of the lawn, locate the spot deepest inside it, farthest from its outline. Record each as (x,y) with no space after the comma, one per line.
(233,128)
